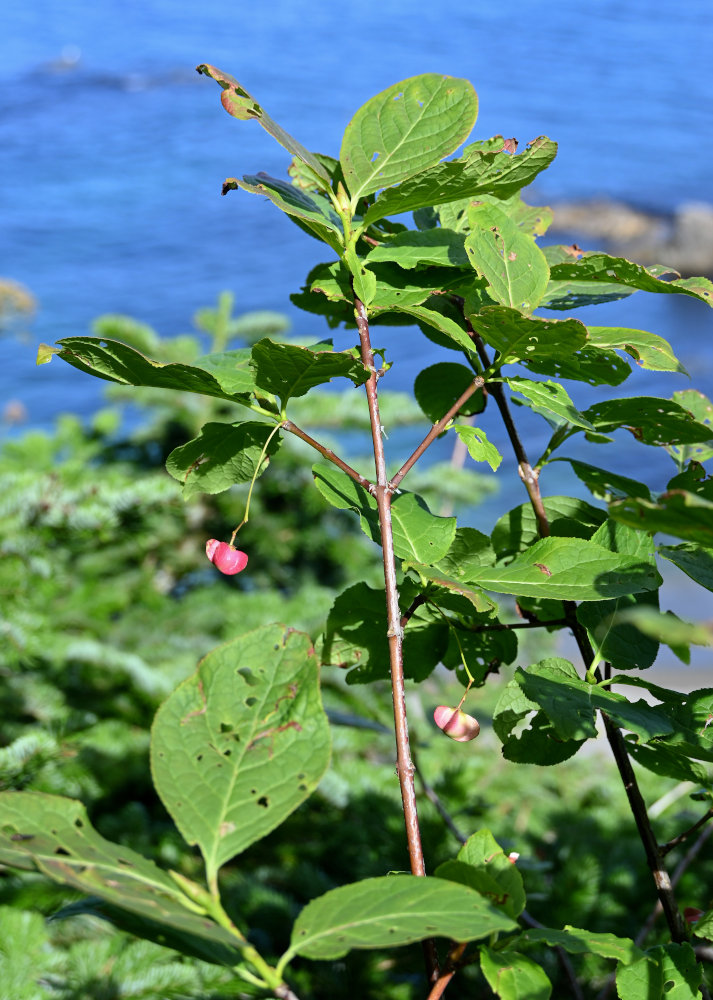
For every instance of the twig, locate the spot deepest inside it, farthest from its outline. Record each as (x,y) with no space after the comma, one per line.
(287,425)
(449,971)
(665,848)
(437,429)
(404,765)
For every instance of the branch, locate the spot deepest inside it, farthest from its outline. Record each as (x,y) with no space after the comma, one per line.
(437,429)
(449,971)
(327,453)
(404,766)
(662,880)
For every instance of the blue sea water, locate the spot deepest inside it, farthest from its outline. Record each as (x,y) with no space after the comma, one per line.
(113,151)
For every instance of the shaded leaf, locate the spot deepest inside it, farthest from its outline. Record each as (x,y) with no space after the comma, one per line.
(418,534)
(676,512)
(651,420)
(356,630)
(702,409)
(53,835)
(695,561)
(396,910)
(668,970)
(512,976)
(606,485)
(567,516)
(405,129)
(661,759)
(438,387)
(583,942)
(240,744)
(313,210)
(221,455)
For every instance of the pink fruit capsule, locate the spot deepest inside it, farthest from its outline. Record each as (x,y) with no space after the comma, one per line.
(456,724)
(224,557)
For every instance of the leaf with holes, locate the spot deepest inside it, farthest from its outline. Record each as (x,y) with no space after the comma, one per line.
(651,420)
(485,168)
(52,835)
(669,970)
(479,448)
(602,267)
(508,258)
(405,129)
(240,744)
(647,349)
(393,910)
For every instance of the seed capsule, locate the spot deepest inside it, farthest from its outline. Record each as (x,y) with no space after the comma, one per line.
(224,557)
(456,724)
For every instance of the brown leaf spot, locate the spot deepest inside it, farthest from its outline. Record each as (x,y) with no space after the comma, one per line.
(512,255)
(544,569)
(574,251)
(510,146)
(226,828)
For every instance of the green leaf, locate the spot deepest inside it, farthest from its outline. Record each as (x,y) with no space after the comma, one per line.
(479,448)
(434,247)
(651,420)
(695,561)
(481,852)
(240,744)
(551,401)
(606,485)
(567,516)
(602,267)
(418,534)
(221,455)
(442,323)
(53,835)
(668,628)
(24,954)
(470,549)
(676,512)
(395,909)
(289,371)
(241,105)
(438,387)
(647,349)
(405,129)
(566,295)
(115,362)
(668,970)
(356,631)
(691,715)
(661,759)
(512,976)
(569,703)
(509,259)
(584,942)
(484,169)
(231,369)
(474,595)
(519,338)
(314,210)
(702,409)
(609,623)
(569,569)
